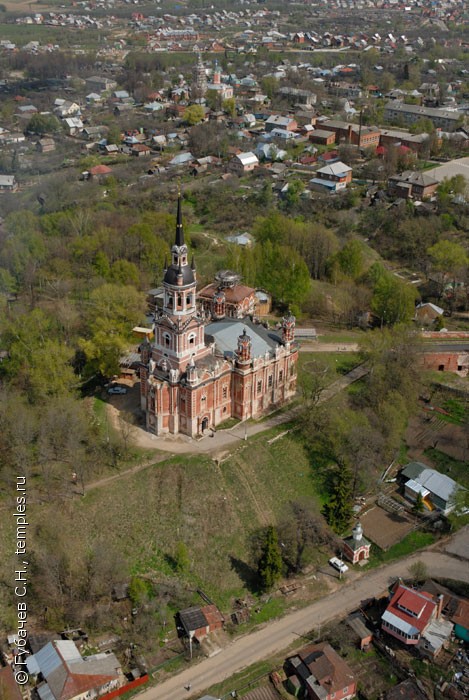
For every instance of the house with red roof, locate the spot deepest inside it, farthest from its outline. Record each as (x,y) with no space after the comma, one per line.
(408,614)
(69,676)
(9,688)
(414,617)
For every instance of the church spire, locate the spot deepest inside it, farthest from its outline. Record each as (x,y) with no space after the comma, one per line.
(179,230)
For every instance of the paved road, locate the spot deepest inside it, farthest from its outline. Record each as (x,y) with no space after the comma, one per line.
(278,635)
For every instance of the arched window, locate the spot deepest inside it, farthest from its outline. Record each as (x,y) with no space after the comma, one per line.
(166,340)
(191,339)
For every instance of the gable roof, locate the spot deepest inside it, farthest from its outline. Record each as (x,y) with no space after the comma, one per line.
(409,611)
(67,674)
(438,484)
(321,668)
(336,169)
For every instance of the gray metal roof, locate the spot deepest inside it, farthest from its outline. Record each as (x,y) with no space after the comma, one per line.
(48,658)
(438,484)
(226,333)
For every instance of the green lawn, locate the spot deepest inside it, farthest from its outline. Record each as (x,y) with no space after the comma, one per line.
(459,471)
(411,543)
(337,363)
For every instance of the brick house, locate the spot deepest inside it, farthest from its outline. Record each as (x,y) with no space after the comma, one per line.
(322,136)
(320,673)
(412,185)
(239,300)
(198,622)
(334,176)
(277,121)
(199,371)
(363,137)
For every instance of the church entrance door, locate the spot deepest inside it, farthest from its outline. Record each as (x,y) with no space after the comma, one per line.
(204,424)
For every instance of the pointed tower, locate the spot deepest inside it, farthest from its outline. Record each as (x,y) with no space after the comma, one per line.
(216,73)
(199,84)
(179,331)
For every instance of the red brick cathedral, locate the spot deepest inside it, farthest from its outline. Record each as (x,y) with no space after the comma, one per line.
(204,368)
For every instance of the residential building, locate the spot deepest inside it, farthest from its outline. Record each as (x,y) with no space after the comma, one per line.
(410,114)
(333,177)
(45,145)
(9,688)
(243,163)
(69,676)
(320,673)
(396,137)
(361,136)
(74,125)
(8,183)
(277,121)
(408,614)
(322,136)
(437,490)
(412,185)
(200,371)
(100,84)
(427,313)
(460,618)
(299,97)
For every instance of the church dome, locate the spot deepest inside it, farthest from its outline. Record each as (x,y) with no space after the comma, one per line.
(357,532)
(172,275)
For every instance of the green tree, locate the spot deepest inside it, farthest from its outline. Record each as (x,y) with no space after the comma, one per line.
(393,300)
(418,506)
(138,591)
(112,312)
(450,261)
(350,259)
(283,272)
(194,114)
(38,361)
(43,124)
(269,85)
(229,106)
(338,510)
(418,571)
(270,563)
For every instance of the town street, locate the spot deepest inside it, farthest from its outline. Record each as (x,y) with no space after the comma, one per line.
(276,636)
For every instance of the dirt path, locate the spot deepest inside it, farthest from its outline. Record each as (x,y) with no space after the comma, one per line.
(274,637)
(217,446)
(222,441)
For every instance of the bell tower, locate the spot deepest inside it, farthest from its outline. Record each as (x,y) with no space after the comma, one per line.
(179,330)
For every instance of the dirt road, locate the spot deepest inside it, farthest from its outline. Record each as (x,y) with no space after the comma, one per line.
(276,636)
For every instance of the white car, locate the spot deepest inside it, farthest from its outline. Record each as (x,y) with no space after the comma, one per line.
(117,390)
(338,564)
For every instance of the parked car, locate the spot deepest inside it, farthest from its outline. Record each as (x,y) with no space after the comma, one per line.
(117,389)
(338,564)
